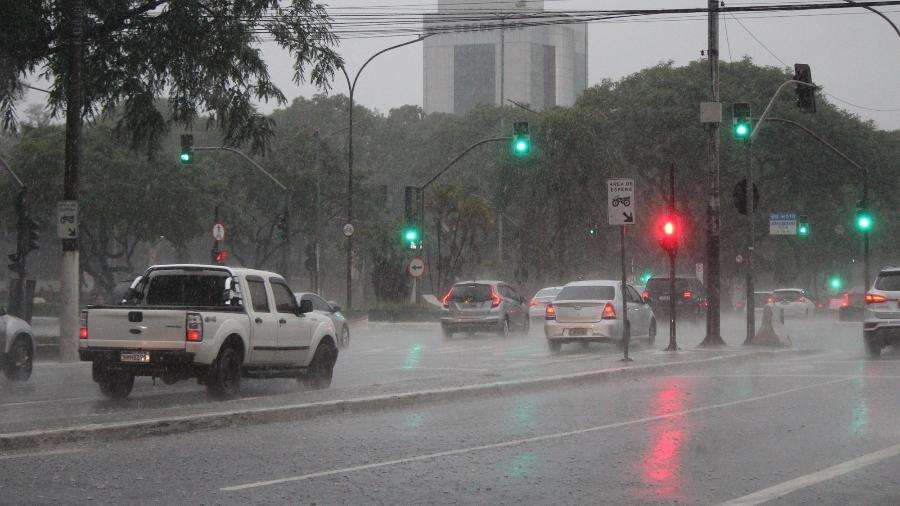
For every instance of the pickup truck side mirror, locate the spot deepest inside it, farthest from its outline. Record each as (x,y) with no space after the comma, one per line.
(335,307)
(306,306)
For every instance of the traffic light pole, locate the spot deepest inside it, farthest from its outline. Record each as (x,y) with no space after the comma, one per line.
(750,306)
(673,342)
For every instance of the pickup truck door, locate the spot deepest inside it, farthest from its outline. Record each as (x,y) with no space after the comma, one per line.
(263,322)
(294,330)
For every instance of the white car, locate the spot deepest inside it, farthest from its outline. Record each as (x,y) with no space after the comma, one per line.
(586,311)
(331,310)
(538,304)
(213,323)
(792,302)
(881,318)
(16,347)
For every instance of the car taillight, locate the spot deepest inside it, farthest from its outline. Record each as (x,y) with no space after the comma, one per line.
(770,300)
(83,327)
(609,312)
(687,295)
(646,295)
(446,300)
(802,299)
(193,327)
(875,298)
(533,302)
(845,299)
(550,312)
(495,298)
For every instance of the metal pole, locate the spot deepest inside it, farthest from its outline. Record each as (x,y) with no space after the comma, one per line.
(626,326)
(286,250)
(215,248)
(70,273)
(750,306)
(866,262)
(713,323)
(673,343)
(318,213)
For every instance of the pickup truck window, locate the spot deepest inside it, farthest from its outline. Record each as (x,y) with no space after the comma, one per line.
(258,297)
(185,288)
(284,299)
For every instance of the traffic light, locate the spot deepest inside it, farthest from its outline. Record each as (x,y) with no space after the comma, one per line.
(593,231)
(864,221)
(412,239)
(739,196)
(281,226)
(645,276)
(803,226)
(221,256)
(741,121)
(806,93)
(521,141)
(835,283)
(668,232)
(187,149)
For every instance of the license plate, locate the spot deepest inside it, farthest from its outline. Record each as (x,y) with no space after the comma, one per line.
(577,332)
(663,297)
(142,357)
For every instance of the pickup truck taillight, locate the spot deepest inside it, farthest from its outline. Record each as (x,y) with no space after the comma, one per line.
(193,327)
(550,311)
(609,312)
(82,326)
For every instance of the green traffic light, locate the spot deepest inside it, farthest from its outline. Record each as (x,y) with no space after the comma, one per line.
(645,276)
(185,157)
(521,147)
(835,283)
(864,221)
(741,130)
(803,229)
(411,236)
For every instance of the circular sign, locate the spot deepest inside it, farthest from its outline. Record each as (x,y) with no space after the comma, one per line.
(416,267)
(739,258)
(219,232)
(348,229)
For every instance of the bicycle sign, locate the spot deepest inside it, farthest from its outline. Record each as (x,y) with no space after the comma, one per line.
(620,201)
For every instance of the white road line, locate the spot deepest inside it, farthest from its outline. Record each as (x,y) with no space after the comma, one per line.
(48,401)
(517,442)
(783,489)
(41,454)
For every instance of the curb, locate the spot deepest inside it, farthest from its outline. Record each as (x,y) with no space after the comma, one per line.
(252,416)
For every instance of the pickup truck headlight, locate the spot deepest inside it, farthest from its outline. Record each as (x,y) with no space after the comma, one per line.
(193,327)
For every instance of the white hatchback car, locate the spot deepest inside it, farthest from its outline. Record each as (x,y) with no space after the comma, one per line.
(586,311)
(881,317)
(792,302)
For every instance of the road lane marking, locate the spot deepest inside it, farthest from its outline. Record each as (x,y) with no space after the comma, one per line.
(787,487)
(48,401)
(41,454)
(518,442)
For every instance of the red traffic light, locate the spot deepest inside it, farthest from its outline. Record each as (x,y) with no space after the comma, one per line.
(221,256)
(668,232)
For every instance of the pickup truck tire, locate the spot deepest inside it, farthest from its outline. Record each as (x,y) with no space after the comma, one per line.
(18,361)
(116,384)
(321,367)
(224,378)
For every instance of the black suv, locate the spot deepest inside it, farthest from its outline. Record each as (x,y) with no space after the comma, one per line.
(690,298)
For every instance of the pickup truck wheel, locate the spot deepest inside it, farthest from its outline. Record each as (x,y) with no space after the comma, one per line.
(116,384)
(554,346)
(651,335)
(321,368)
(19,360)
(873,348)
(224,378)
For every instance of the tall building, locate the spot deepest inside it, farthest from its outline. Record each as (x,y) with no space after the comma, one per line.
(542,66)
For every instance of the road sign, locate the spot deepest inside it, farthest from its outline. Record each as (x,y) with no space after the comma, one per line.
(620,201)
(416,267)
(67,219)
(219,232)
(348,229)
(782,223)
(698,268)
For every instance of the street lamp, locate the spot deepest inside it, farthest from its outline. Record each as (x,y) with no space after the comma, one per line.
(351,87)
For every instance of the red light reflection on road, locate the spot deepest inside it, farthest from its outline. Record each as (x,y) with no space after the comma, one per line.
(660,467)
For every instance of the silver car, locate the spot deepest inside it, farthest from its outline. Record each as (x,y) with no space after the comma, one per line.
(331,310)
(538,304)
(486,306)
(16,347)
(881,317)
(587,311)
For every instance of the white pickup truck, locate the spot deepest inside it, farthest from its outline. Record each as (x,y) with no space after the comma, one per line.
(213,323)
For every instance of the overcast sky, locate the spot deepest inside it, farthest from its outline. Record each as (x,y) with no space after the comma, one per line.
(854,55)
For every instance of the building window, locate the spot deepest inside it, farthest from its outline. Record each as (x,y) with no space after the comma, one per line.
(473,76)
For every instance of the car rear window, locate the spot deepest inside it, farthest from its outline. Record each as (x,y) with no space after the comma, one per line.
(471,292)
(547,293)
(888,281)
(787,295)
(174,288)
(587,292)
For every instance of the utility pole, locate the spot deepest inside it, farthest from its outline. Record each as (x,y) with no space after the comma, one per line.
(69,270)
(317,169)
(713,323)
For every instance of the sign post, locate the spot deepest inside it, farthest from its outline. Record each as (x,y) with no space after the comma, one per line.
(620,210)
(416,269)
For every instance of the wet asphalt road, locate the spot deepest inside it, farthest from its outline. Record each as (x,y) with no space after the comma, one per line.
(817,428)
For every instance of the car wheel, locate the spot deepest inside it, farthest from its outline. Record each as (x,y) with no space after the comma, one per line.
(321,368)
(873,348)
(503,329)
(345,337)
(447,333)
(651,335)
(225,374)
(19,361)
(554,346)
(116,384)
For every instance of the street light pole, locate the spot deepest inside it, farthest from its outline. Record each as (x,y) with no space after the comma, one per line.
(351,88)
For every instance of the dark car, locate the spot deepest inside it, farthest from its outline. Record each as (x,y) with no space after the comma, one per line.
(690,298)
(486,306)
